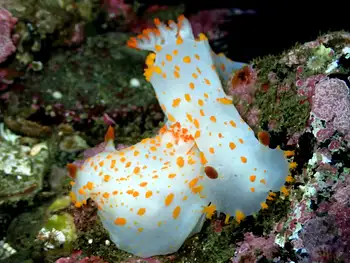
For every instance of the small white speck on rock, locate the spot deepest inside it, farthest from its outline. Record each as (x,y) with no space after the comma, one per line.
(57,95)
(90,241)
(135,83)
(107,242)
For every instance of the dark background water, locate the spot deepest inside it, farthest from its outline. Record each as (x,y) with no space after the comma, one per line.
(276,26)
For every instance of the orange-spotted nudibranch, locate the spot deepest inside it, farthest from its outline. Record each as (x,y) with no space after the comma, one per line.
(149,195)
(185,76)
(154,194)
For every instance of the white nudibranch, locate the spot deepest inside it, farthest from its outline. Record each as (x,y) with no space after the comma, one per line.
(153,195)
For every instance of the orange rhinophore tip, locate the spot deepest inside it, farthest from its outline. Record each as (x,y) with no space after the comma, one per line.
(109,134)
(132,42)
(264,138)
(156,21)
(181,17)
(211,172)
(72,170)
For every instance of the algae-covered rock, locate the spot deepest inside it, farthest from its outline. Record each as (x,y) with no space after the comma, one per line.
(45,230)
(22,168)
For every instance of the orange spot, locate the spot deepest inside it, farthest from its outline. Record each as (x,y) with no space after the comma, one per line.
(212,118)
(153,148)
(201,111)
(101,163)
(136,170)
(176,102)
(135,194)
(264,138)
(148,194)
(187,97)
(194,75)
(243,159)
(225,101)
(189,117)
(197,134)
(180,161)
(175,52)
(200,102)
(169,145)
(143,184)
(136,153)
(211,150)
(169,199)
(187,59)
(252,189)
(197,56)
(179,40)
(191,85)
(252,178)
(168,57)
(176,74)
(105,195)
(171,118)
(90,185)
(232,145)
(128,164)
(176,212)
(120,221)
(263,181)
(207,81)
(113,164)
(158,48)
(106,178)
(233,124)
(141,211)
(196,123)
(211,172)
(240,140)
(171,176)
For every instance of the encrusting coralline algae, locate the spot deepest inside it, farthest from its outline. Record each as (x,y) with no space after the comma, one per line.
(156,193)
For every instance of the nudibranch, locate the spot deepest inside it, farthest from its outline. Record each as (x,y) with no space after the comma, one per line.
(184,73)
(149,195)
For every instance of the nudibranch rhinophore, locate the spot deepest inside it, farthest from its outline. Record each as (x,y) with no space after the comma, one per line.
(153,195)
(184,73)
(148,195)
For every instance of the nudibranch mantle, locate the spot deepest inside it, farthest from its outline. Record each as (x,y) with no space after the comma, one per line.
(184,74)
(148,195)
